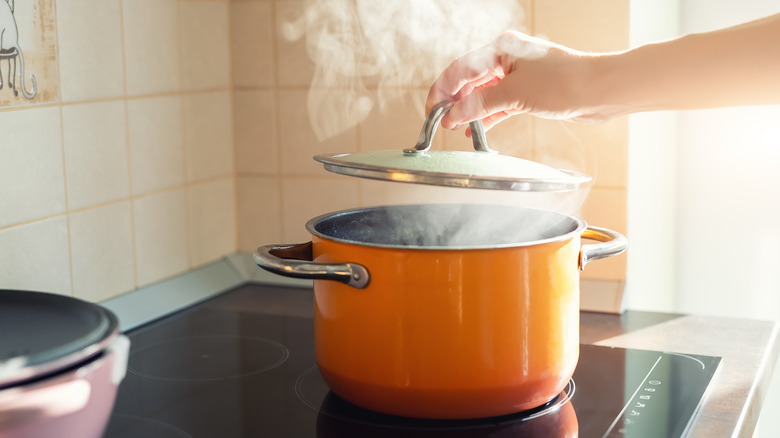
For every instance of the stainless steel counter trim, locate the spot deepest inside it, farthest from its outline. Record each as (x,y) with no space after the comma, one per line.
(146,304)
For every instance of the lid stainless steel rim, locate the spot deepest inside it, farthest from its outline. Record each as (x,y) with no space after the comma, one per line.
(483,169)
(337,163)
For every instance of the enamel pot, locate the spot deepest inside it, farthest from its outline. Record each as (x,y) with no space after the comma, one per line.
(445,311)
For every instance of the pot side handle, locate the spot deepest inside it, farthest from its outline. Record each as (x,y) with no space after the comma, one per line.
(613,244)
(296,261)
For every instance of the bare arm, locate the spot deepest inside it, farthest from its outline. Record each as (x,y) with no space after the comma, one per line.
(729,67)
(521,74)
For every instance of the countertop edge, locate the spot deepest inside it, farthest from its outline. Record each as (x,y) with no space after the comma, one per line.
(757,395)
(749,349)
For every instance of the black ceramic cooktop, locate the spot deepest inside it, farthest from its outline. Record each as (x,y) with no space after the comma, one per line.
(242,365)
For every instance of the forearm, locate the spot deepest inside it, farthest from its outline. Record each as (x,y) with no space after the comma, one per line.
(730,67)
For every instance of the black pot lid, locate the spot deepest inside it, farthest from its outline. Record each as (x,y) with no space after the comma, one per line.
(42,333)
(480,169)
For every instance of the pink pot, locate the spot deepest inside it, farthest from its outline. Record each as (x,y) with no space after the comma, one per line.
(63,388)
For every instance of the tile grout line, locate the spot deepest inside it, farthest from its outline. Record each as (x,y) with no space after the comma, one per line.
(182,92)
(359,148)
(165,94)
(67,211)
(232,95)
(118,98)
(278,117)
(185,146)
(531,30)
(128,152)
(117,201)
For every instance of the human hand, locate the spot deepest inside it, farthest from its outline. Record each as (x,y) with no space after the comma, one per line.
(518,73)
(514,74)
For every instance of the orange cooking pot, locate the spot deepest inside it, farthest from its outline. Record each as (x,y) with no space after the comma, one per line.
(445,310)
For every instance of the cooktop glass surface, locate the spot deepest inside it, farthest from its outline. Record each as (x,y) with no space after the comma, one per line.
(242,365)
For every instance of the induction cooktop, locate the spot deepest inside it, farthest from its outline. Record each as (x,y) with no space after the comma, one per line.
(242,365)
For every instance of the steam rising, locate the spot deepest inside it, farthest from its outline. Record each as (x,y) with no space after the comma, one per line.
(368,51)
(470,226)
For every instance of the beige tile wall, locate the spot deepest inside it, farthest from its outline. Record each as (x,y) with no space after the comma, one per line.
(280,187)
(120,172)
(153,146)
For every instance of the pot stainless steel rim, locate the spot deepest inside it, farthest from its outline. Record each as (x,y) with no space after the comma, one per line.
(367,228)
(398,226)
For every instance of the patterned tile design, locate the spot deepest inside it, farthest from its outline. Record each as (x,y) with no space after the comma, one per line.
(28,53)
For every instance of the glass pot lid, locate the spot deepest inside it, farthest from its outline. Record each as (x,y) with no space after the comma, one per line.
(483,168)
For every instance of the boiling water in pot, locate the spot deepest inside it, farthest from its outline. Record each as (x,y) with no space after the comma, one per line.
(445,226)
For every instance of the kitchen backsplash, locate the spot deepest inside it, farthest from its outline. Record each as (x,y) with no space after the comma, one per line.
(160,135)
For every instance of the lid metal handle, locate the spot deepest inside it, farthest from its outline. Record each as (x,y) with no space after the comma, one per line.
(425,139)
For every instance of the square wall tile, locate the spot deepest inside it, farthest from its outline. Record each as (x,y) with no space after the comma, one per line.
(252,44)
(156,145)
(596,25)
(259,212)
(212,219)
(606,208)
(255,126)
(297,141)
(160,223)
(208,135)
(376,193)
(90,49)
(35,256)
(293,65)
(96,159)
(151,37)
(396,123)
(597,150)
(37,78)
(205,44)
(455,140)
(527,12)
(306,198)
(32,180)
(513,136)
(101,245)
